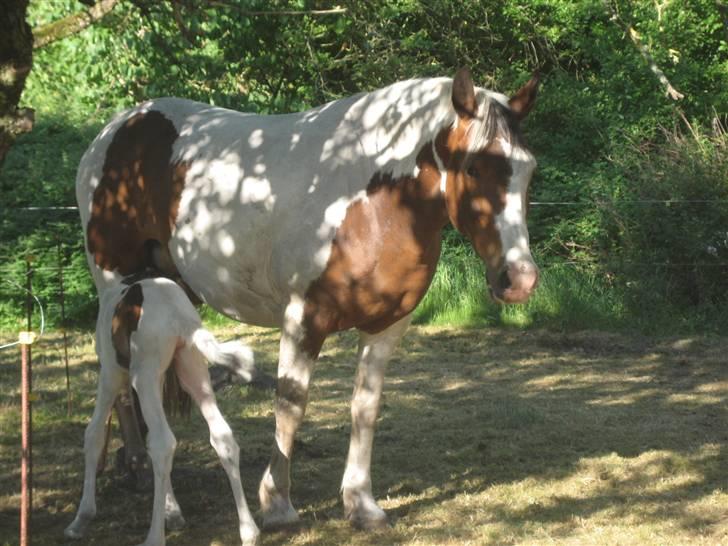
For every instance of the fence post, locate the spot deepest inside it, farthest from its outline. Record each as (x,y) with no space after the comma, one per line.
(26,385)
(26,463)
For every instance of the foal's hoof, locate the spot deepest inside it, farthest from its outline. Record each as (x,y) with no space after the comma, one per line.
(250,535)
(78,527)
(174,522)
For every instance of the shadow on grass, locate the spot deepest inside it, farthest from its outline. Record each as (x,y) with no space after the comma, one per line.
(485,435)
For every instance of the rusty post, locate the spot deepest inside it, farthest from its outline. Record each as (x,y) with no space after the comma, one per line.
(63,327)
(26,464)
(26,385)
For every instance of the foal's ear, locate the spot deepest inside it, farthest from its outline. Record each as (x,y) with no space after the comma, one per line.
(522,102)
(463,94)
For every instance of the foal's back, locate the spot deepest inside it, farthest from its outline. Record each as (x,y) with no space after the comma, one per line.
(153,313)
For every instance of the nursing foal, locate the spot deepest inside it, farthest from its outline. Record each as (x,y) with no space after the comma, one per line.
(145,328)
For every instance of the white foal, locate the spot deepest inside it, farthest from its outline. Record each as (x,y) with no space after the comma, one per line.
(143,328)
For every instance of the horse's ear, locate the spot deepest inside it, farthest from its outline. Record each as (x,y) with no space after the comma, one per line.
(463,94)
(522,102)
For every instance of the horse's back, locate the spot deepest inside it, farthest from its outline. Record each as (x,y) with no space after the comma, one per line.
(240,203)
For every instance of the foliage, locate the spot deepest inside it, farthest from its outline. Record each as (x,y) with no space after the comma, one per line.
(597,129)
(667,230)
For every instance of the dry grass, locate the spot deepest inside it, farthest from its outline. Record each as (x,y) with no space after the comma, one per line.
(486,437)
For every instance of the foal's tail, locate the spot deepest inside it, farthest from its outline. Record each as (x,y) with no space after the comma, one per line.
(233,362)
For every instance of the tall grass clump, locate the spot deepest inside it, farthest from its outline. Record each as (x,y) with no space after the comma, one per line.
(666,236)
(458,293)
(568,297)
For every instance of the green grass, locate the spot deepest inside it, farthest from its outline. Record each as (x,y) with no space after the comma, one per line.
(568,298)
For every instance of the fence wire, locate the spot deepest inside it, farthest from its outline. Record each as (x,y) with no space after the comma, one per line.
(61,255)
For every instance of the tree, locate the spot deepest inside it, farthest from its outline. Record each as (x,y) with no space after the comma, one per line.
(16,60)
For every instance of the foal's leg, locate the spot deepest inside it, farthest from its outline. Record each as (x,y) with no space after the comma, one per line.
(173,518)
(298,354)
(110,383)
(146,379)
(137,461)
(374,352)
(195,379)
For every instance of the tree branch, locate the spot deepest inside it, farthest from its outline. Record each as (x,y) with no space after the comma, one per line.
(723,10)
(71,24)
(673,93)
(253,13)
(186,33)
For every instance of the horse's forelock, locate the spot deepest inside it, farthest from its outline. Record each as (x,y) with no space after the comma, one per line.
(493,121)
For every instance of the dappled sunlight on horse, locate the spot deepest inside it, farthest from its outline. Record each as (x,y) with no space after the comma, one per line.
(315,223)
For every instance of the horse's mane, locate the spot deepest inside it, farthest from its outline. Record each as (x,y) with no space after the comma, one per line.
(494,119)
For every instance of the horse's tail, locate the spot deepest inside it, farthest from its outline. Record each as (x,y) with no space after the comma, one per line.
(231,354)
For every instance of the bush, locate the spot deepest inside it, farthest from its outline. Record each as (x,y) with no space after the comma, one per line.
(666,235)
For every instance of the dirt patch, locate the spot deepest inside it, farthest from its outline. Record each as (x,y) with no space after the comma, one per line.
(485,437)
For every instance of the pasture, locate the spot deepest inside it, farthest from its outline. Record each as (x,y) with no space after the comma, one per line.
(486,436)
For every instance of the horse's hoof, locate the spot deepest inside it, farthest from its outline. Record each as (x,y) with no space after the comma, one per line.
(70,532)
(174,522)
(279,516)
(369,521)
(363,512)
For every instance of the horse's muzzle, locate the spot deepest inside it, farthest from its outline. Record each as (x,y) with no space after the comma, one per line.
(515,283)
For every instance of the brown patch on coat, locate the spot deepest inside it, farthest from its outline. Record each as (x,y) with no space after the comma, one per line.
(385,252)
(138,196)
(383,257)
(125,321)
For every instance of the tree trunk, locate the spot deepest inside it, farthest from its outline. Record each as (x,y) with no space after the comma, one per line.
(16,60)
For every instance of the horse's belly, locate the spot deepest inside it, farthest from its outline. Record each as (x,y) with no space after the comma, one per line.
(224,256)
(234,289)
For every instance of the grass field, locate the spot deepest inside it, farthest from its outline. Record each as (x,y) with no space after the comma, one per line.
(486,436)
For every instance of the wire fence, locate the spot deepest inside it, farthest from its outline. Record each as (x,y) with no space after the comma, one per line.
(48,244)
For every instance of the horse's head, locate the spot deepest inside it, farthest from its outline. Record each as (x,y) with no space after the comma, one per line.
(486,174)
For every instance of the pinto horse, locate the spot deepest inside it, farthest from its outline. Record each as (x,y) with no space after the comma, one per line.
(315,222)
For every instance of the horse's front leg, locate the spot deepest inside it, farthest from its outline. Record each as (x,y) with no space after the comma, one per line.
(298,352)
(131,422)
(375,351)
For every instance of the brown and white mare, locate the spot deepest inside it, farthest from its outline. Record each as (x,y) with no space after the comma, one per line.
(315,222)
(144,329)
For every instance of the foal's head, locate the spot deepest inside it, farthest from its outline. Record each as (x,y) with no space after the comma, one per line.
(488,171)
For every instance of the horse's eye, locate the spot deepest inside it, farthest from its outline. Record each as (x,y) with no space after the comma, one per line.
(472,171)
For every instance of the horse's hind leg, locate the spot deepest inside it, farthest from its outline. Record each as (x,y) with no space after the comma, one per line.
(195,379)
(374,352)
(110,383)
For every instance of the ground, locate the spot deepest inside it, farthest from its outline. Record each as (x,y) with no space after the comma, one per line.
(485,437)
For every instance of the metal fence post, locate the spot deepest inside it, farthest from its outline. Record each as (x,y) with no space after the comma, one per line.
(26,385)
(26,463)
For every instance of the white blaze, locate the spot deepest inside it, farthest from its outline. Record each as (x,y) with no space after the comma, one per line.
(511,222)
